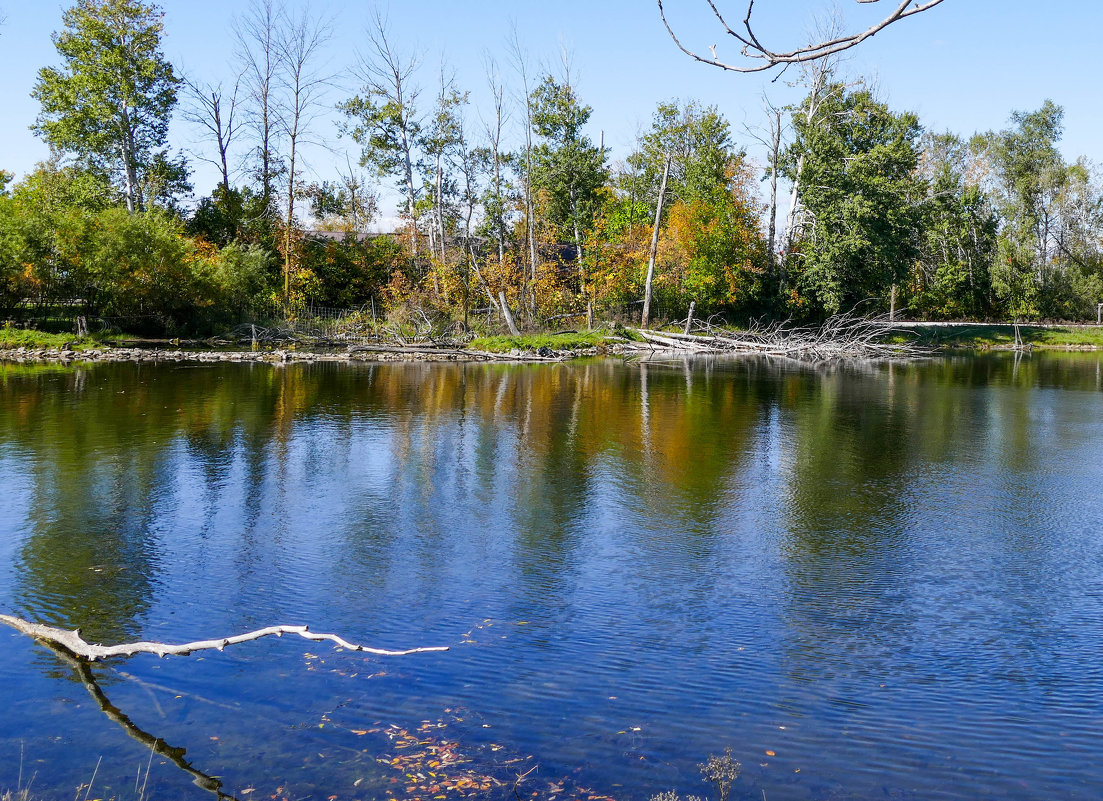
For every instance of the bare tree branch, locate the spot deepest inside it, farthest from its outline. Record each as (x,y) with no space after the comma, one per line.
(760,57)
(72,641)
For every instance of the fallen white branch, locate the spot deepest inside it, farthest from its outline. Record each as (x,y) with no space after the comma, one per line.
(73,642)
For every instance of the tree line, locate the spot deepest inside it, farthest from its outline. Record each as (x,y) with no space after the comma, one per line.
(512,209)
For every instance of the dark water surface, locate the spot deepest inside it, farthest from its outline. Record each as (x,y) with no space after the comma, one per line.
(871,582)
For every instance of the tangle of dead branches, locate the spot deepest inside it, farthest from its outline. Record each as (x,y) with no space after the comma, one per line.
(844,336)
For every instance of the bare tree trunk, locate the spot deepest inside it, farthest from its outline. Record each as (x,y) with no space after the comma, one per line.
(129,170)
(440,211)
(689,318)
(508,315)
(258,51)
(646,316)
(775,153)
(494,135)
(207,109)
(300,41)
(530,211)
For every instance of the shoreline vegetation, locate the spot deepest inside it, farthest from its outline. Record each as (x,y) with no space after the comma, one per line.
(18,345)
(514,226)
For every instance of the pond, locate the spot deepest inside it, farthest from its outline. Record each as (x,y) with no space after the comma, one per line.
(869,581)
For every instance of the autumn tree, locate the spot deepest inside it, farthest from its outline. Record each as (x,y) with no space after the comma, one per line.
(110,101)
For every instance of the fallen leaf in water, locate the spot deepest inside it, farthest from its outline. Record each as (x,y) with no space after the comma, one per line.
(770,753)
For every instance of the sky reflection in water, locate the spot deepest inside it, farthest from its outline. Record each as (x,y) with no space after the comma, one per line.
(887,575)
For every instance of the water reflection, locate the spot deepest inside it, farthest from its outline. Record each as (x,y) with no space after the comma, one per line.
(712,549)
(176,755)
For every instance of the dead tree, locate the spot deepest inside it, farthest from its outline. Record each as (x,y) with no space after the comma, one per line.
(758,57)
(211,109)
(259,58)
(645,318)
(771,137)
(520,62)
(301,42)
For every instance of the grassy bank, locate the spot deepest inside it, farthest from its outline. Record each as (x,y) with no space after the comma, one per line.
(533,342)
(30,338)
(989,336)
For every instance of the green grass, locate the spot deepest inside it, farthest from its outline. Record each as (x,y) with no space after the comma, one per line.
(982,337)
(567,341)
(30,338)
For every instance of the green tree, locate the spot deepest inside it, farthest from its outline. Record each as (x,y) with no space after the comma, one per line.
(384,118)
(859,196)
(1049,255)
(569,173)
(110,102)
(957,235)
(698,140)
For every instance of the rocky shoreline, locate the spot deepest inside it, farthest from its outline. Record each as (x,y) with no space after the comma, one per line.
(65,355)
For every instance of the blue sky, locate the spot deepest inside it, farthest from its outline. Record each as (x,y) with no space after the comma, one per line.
(963,66)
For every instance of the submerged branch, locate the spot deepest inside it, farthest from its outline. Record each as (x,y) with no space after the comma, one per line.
(173,754)
(73,642)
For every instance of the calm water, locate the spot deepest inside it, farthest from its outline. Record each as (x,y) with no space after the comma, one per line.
(871,582)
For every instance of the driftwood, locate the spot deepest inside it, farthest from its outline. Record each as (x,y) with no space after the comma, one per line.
(844,336)
(77,645)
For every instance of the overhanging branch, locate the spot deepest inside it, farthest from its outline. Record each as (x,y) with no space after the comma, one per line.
(760,57)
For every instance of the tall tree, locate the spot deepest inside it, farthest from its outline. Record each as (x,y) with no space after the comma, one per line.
(209,107)
(697,140)
(521,65)
(301,41)
(110,102)
(857,161)
(957,234)
(384,118)
(260,59)
(441,144)
(568,170)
